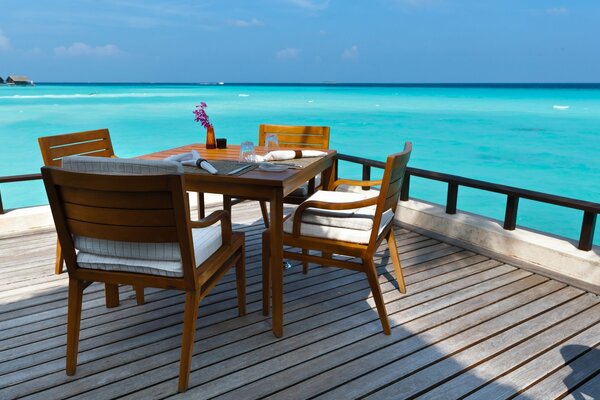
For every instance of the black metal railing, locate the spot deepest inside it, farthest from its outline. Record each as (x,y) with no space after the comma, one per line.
(513,194)
(16,178)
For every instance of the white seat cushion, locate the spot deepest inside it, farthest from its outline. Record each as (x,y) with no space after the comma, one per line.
(352,225)
(206,242)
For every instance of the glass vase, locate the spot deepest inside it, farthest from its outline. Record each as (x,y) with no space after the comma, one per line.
(211,143)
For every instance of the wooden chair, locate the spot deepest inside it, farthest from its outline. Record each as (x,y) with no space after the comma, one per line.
(347,223)
(107,218)
(54,148)
(95,143)
(296,137)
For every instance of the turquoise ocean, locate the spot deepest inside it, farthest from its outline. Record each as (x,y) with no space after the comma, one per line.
(541,137)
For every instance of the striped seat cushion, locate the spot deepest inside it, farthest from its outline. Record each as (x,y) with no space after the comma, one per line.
(206,242)
(120,166)
(354,225)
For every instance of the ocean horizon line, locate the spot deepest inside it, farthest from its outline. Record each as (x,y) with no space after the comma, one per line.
(483,85)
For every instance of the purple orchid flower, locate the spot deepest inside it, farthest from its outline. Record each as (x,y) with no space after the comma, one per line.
(201,115)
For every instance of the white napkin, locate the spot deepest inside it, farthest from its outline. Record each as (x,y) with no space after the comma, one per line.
(280,155)
(191,159)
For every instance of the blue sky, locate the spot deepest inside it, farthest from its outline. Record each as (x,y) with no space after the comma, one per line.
(301,40)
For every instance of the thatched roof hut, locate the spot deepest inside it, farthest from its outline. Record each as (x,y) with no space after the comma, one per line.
(1,80)
(19,80)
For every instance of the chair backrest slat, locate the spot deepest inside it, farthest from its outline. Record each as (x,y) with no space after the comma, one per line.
(143,234)
(120,216)
(316,137)
(141,200)
(92,143)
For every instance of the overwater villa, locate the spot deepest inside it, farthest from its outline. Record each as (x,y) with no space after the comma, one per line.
(1,80)
(385,296)
(20,80)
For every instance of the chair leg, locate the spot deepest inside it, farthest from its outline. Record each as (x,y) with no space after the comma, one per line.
(73,323)
(190,315)
(111,294)
(266,271)
(265,213)
(139,295)
(304,263)
(201,206)
(58,266)
(240,281)
(377,296)
(396,261)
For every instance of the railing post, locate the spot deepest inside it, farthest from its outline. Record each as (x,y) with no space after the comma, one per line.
(405,187)
(1,206)
(366,175)
(452,198)
(510,216)
(588,226)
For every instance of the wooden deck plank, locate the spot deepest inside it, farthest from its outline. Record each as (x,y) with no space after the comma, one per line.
(359,341)
(303,312)
(401,364)
(589,390)
(509,345)
(468,326)
(535,370)
(566,379)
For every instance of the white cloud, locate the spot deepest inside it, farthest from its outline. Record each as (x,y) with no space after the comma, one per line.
(4,42)
(311,5)
(351,53)
(557,11)
(240,23)
(82,49)
(288,53)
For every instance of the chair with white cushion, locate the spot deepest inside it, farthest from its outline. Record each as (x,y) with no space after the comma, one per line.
(346,223)
(289,137)
(95,143)
(127,222)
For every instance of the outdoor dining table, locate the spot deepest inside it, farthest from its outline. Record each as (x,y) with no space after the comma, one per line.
(256,184)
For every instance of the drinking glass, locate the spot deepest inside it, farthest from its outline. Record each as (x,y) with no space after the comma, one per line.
(247,152)
(271,142)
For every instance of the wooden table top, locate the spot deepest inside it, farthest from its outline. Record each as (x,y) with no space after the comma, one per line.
(255,176)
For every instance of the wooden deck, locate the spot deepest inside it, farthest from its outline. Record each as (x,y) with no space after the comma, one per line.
(469,326)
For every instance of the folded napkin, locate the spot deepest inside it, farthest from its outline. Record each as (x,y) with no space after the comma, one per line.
(192,159)
(280,155)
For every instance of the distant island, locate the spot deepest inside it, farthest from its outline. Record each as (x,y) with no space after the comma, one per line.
(19,80)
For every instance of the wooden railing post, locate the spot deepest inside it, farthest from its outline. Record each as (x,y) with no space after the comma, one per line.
(1,206)
(588,226)
(404,192)
(366,175)
(452,198)
(510,216)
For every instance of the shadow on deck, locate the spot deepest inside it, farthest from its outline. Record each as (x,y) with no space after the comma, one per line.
(469,326)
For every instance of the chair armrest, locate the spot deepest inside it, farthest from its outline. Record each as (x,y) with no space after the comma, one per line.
(212,219)
(327,206)
(353,182)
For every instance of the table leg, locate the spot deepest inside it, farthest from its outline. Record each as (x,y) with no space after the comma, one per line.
(277,260)
(328,177)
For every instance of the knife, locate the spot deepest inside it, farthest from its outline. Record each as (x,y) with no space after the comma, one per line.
(235,171)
